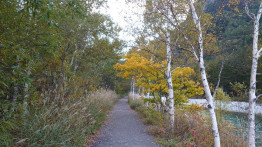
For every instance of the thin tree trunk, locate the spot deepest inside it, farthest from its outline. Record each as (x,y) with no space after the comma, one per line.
(252,90)
(26,89)
(171,109)
(211,106)
(73,56)
(15,95)
(60,81)
(133,88)
(208,95)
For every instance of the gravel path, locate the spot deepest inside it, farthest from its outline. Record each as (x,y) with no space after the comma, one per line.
(124,129)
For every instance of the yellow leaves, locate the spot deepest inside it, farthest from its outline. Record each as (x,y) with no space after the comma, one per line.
(150,76)
(184,85)
(194,108)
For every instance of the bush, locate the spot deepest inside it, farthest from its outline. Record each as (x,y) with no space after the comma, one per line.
(134,101)
(67,124)
(152,117)
(195,129)
(192,128)
(238,89)
(222,96)
(135,104)
(194,108)
(10,119)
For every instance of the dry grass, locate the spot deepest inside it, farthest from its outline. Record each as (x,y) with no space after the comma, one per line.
(134,96)
(192,128)
(67,125)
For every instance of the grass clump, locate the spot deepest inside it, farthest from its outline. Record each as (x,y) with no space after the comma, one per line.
(66,124)
(134,101)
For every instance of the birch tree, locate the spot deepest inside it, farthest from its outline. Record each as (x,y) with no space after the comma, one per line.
(200,59)
(174,13)
(171,107)
(197,50)
(256,53)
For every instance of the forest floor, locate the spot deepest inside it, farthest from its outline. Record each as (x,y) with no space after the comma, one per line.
(124,128)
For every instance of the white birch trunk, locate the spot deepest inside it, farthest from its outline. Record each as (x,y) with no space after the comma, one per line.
(26,89)
(253,80)
(131,86)
(171,106)
(208,94)
(132,89)
(252,104)
(252,90)
(73,56)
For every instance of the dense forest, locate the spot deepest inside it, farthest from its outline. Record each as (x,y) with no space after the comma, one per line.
(234,34)
(53,53)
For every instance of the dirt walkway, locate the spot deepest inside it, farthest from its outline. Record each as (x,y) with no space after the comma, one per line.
(124,129)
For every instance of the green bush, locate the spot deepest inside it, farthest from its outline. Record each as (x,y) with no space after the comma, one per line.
(150,116)
(238,89)
(222,96)
(135,104)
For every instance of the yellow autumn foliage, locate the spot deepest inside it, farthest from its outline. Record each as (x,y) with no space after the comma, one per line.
(150,76)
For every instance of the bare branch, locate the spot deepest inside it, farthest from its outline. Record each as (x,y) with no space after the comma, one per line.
(250,15)
(218,82)
(258,96)
(259,52)
(259,12)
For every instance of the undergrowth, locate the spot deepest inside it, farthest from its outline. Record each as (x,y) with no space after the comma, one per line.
(67,124)
(192,127)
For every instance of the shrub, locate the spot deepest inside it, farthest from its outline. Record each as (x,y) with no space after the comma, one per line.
(192,128)
(135,104)
(222,96)
(135,101)
(194,108)
(238,89)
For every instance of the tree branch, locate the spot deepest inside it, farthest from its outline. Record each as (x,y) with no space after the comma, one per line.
(259,52)
(250,15)
(258,97)
(259,12)
(218,82)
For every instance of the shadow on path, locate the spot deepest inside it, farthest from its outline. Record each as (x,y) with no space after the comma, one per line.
(124,129)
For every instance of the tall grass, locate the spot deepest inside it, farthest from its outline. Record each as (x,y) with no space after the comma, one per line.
(192,128)
(67,124)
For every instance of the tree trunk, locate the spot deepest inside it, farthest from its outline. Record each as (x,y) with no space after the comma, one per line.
(211,106)
(133,88)
(208,95)
(252,89)
(171,109)
(26,89)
